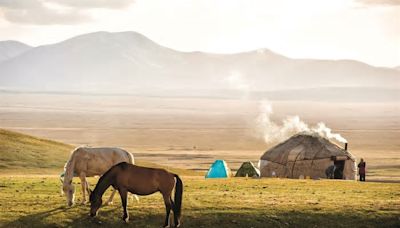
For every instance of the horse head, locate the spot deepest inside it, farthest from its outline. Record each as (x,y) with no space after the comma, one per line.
(69,191)
(95,203)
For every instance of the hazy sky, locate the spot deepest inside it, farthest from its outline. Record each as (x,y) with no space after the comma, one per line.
(365,30)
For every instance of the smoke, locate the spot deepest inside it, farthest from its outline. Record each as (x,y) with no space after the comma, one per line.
(237,81)
(326,132)
(274,132)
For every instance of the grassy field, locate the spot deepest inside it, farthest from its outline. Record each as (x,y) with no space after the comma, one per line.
(35,201)
(30,196)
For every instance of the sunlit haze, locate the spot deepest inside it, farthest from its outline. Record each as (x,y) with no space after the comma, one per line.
(364,30)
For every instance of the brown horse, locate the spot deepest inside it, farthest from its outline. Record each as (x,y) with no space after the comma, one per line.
(138,180)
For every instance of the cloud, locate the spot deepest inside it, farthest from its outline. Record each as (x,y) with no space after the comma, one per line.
(36,12)
(88,4)
(380,2)
(45,12)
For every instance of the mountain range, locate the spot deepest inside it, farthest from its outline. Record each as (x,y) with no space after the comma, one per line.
(10,49)
(128,62)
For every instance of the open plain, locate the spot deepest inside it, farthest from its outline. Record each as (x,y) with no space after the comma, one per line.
(191,132)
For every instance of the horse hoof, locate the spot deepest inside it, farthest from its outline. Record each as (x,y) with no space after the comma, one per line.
(126,220)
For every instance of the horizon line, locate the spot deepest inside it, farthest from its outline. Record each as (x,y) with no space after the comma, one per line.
(206,52)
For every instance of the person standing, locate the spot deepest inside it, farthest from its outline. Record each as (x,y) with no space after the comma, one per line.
(361,169)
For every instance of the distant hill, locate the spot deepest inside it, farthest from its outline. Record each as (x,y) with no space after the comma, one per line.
(10,49)
(21,153)
(128,62)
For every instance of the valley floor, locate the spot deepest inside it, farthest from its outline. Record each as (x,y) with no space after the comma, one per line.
(191,133)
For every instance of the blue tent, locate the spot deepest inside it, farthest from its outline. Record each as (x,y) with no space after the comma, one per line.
(218,169)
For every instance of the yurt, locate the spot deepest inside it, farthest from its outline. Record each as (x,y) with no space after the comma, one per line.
(219,169)
(307,155)
(247,169)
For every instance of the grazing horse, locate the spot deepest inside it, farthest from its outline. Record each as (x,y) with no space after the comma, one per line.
(88,162)
(330,172)
(141,181)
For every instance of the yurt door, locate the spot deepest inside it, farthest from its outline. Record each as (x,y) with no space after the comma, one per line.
(339,169)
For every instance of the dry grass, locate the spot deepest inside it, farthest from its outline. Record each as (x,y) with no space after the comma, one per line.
(26,155)
(236,202)
(19,151)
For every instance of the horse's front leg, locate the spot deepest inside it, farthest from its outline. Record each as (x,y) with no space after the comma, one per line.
(124,195)
(88,188)
(110,200)
(84,185)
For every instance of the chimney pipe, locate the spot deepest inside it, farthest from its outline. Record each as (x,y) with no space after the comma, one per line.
(345,146)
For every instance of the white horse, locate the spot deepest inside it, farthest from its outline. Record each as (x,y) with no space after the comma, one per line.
(88,162)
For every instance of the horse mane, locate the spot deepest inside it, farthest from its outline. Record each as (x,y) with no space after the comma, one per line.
(69,166)
(121,165)
(100,186)
(104,176)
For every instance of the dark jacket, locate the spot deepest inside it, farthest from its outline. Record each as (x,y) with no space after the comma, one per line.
(361,167)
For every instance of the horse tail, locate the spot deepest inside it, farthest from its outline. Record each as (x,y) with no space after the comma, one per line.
(130,158)
(178,196)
